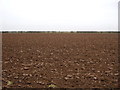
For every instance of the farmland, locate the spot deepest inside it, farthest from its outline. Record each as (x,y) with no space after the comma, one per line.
(62,60)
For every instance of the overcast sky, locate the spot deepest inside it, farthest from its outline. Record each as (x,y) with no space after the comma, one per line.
(59,15)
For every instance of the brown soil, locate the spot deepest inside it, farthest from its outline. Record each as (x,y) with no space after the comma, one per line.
(63,60)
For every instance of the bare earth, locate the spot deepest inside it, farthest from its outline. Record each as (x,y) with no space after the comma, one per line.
(62,60)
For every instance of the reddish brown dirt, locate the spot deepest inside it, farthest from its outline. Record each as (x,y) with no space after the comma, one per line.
(74,60)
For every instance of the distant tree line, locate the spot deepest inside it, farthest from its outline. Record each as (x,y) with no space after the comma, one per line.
(60,32)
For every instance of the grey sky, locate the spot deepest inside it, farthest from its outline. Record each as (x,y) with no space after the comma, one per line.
(59,15)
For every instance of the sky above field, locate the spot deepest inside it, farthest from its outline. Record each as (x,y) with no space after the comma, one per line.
(100,15)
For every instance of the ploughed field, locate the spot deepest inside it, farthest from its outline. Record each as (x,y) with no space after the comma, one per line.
(62,60)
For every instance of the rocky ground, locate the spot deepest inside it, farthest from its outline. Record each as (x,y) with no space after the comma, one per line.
(62,60)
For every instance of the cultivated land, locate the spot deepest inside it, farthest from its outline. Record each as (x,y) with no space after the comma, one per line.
(63,60)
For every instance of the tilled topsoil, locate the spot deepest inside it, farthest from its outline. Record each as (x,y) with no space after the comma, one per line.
(61,60)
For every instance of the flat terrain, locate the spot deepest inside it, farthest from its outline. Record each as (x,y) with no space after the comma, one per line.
(63,60)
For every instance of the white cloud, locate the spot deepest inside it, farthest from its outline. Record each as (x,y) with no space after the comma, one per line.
(59,14)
